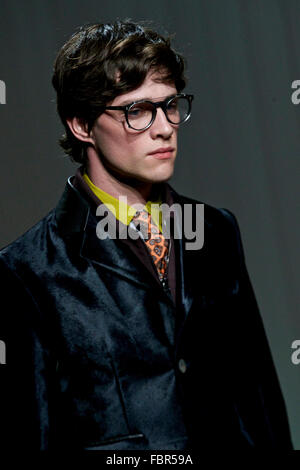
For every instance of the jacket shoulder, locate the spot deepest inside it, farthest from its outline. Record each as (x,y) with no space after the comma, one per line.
(212,214)
(221,224)
(29,245)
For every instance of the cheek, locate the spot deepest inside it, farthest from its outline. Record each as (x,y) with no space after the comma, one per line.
(116,144)
(108,140)
(117,149)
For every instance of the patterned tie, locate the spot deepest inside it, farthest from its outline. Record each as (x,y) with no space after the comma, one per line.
(156,243)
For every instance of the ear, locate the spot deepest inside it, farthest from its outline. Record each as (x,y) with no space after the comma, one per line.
(80,129)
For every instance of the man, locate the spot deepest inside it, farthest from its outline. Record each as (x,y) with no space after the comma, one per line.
(138,340)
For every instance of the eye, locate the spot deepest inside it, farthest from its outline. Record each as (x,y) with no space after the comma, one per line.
(139,109)
(134,112)
(173,105)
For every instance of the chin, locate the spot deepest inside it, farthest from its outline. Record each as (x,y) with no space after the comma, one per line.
(158,177)
(161,174)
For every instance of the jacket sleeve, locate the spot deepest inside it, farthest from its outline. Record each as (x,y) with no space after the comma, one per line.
(259,399)
(25,376)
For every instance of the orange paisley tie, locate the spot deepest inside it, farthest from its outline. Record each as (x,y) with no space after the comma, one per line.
(156,243)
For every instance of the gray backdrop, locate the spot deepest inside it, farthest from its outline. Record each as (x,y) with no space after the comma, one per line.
(240,150)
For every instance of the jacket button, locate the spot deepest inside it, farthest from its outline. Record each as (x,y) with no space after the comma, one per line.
(182,366)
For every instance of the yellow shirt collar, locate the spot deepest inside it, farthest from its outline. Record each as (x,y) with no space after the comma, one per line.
(122,211)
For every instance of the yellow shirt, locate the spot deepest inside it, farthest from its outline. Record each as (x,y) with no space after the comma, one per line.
(122,211)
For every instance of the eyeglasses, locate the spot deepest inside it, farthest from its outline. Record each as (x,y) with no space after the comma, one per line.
(141,114)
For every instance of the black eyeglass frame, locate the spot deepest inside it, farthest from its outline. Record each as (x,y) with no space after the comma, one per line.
(159,104)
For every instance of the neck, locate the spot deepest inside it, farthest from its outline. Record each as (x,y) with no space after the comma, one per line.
(118,185)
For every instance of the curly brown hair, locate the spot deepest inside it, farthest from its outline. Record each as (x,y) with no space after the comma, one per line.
(102,61)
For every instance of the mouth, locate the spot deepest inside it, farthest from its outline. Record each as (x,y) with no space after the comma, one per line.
(163,153)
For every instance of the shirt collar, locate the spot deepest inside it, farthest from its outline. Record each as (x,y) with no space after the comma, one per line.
(121,210)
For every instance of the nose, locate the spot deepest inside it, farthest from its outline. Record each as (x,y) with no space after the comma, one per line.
(161,127)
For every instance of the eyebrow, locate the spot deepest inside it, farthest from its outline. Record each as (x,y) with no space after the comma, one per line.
(124,103)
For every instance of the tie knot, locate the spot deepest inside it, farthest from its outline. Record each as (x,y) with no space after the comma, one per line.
(141,215)
(141,220)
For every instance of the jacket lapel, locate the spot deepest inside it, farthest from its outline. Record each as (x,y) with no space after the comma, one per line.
(116,256)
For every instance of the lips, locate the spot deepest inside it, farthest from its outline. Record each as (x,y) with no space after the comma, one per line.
(162,150)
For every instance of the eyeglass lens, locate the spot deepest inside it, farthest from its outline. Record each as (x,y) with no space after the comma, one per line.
(140,114)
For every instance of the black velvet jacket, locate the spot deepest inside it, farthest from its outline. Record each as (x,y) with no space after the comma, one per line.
(100,357)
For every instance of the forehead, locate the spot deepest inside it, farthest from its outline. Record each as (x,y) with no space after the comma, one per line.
(151,89)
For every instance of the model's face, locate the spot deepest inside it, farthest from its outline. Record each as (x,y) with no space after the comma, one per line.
(126,152)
